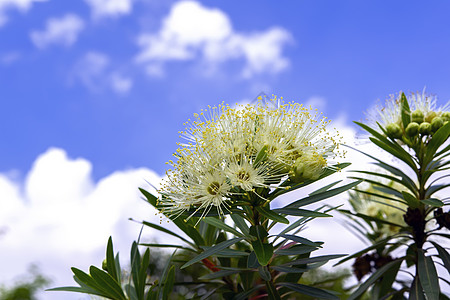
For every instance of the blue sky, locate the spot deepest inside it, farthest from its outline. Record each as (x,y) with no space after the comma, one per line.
(85,90)
(94,92)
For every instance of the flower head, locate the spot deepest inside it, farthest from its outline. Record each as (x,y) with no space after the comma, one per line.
(230,153)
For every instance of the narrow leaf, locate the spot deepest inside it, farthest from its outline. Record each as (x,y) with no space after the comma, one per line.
(411,200)
(321,196)
(108,283)
(428,276)
(212,251)
(301,212)
(300,240)
(371,280)
(221,225)
(309,290)
(272,291)
(443,255)
(270,214)
(433,202)
(416,291)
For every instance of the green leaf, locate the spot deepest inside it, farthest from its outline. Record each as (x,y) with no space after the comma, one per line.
(318,197)
(310,260)
(87,280)
(160,292)
(439,137)
(284,269)
(387,281)
(240,223)
(428,276)
(374,277)
(261,156)
(153,245)
(168,283)
(263,251)
(380,243)
(387,167)
(110,262)
(77,289)
(113,289)
(416,291)
(406,112)
(211,251)
(300,240)
(309,290)
(219,274)
(433,202)
(270,214)
(264,273)
(325,188)
(150,197)
(443,255)
(245,294)
(412,188)
(221,225)
(252,261)
(272,291)
(301,212)
(411,200)
(327,172)
(296,250)
(160,228)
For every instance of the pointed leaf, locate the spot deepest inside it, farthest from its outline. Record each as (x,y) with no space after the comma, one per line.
(110,261)
(406,112)
(300,240)
(270,214)
(240,223)
(264,273)
(416,291)
(374,277)
(272,291)
(318,197)
(433,202)
(221,225)
(113,289)
(168,283)
(443,255)
(411,200)
(211,251)
(309,290)
(300,212)
(428,276)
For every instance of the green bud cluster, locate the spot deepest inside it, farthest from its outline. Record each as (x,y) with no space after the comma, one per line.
(420,125)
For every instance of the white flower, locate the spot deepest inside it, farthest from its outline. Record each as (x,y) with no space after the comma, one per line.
(230,152)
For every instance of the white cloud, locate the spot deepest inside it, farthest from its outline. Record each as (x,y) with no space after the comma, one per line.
(110,8)
(193,31)
(22,5)
(60,31)
(120,83)
(94,71)
(59,218)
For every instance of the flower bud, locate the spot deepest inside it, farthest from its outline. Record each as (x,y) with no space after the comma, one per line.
(425,128)
(307,167)
(104,265)
(394,131)
(445,116)
(417,116)
(412,129)
(436,123)
(314,165)
(430,116)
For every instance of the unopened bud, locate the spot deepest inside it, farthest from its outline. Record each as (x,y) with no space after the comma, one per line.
(412,129)
(104,265)
(394,131)
(436,124)
(417,116)
(445,116)
(425,128)
(430,116)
